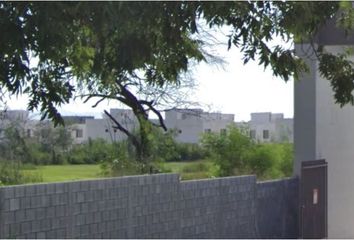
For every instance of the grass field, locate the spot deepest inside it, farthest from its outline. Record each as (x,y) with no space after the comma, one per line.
(190,170)
(58,173)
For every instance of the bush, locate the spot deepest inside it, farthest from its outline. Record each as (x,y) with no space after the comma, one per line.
(235,153)
(228,151)
(11,174)
(261,159)
(92,152)
(189,152)
(121,163)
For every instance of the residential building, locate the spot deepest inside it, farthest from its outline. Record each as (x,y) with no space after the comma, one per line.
(191,123)
(103,128)
(270,127)
(14,118)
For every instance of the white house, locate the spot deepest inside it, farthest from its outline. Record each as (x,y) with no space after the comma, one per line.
(15,118)
(102,128)
(191,123)
(270,127)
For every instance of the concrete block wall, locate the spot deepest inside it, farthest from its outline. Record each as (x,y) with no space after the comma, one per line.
(277,205)
(151,206)
(218,208)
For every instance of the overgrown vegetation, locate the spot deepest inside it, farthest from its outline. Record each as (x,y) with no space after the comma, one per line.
(11,173)
(234,153)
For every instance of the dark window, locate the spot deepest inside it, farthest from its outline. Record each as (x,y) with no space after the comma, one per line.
(208,130)
(253,134)
(79,133)
(265,134)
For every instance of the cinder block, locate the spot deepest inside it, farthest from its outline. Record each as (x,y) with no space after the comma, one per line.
(76,209)
(41,235)
(26,227)
(49,189)
(19,191)
(15,230)
(40,189)
(97,217)
(52,234)
(19,216)
(56,223)
(84,186)
(79,219)
(45,200)
(9,217)
(30,190)
(80,197)
(36,226)
(84,207)
(5,230)
(84,229)
(8,192)
(35,201)
(50,212)
(14,204)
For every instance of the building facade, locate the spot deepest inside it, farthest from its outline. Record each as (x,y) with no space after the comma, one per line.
(190,124)
(270,127)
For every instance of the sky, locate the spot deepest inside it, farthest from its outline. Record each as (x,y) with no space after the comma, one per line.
(233,88)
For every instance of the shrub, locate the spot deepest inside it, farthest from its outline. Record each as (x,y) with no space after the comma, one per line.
(190,152)
(121,163)
(261,158)
(235,153)
(228,151)
(11,174)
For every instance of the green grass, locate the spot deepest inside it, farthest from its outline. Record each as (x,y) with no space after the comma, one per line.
(190,170)
(59,173)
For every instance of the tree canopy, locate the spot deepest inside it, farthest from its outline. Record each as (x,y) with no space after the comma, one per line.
(118,50)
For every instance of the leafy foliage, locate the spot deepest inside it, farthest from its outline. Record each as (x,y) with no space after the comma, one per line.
(228,151)
(235,153)
(11,174)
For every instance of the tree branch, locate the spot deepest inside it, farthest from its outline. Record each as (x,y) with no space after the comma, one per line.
(122,129)
(158,114)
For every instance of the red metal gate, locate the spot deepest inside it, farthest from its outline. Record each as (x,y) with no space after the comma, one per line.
(313,205)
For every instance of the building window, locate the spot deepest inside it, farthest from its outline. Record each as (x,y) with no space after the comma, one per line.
(223,131)
(28,132)
(79,133)
(208,130)
(253,134)
(265,134)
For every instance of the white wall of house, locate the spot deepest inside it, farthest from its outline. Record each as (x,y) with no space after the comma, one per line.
(78,133)
(192,123)
(270,127)
(102,128)
(325,130)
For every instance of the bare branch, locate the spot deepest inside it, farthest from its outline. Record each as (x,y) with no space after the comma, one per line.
(123,129)
(158,114)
